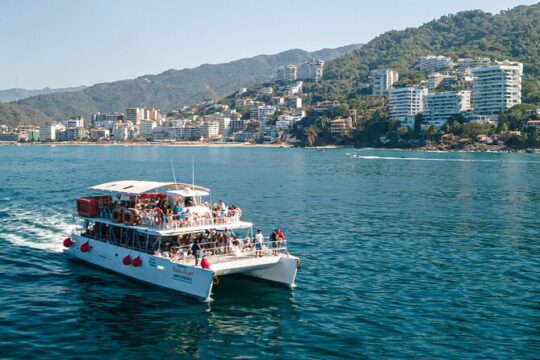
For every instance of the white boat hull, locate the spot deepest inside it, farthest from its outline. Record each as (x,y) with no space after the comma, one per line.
(192,281)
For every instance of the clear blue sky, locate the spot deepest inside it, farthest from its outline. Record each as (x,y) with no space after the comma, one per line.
(59,43)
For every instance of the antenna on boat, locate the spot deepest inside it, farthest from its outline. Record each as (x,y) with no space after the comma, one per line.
(192,173)
(174,176)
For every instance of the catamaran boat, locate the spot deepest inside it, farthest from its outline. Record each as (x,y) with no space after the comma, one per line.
(167,234)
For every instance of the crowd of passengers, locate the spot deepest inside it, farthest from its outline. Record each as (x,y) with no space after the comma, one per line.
(161,210)
(177,247)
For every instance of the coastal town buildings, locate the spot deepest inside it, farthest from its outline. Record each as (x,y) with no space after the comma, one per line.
(496,88)
(382,80)
(405,101)
(440,106)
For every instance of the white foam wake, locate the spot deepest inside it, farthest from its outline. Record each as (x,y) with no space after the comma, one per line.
(43,232)
(365,157)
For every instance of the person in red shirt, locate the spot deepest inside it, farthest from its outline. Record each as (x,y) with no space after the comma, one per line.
(279,237)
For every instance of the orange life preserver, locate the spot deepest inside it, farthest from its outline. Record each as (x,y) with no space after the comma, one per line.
(128,217)
(118,214)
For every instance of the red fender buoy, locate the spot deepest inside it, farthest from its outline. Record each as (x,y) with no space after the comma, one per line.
(205,264)
(85,247)
(126,260)
(136,262)
(68,242)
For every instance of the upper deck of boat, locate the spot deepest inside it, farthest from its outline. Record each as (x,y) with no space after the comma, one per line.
(159,208)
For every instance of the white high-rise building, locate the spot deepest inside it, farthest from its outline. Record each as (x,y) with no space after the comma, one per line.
(286,73)
(311,70)
(496,88)
(439,106)
(382,80)
(49,131)
(406,101)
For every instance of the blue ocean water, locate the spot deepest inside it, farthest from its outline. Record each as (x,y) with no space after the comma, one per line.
(404,255)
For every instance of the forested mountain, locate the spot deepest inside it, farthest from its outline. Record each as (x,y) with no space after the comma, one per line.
(512,34)
(18,94)
(174,88)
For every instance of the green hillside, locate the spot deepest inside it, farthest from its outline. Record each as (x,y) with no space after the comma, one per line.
(174,88)
(512,34)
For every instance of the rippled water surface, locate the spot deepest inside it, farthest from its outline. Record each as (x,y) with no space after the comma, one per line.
(404,254)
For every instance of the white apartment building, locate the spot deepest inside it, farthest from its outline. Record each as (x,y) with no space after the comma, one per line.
(74,122)
(465,64)
(120,130)
(382,80)
(147,127)
(432,63)
(406,101)
(286,73)
(496,88)
(223,125)
(439,106)
(135,115)
(295,89)
(99,133)
(311,70)
(105,118)
(260,112)
(209,129)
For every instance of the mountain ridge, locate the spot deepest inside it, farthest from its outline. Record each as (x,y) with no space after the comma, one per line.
(15,94)
(174,88)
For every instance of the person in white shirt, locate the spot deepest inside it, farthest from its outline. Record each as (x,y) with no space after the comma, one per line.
(259,241)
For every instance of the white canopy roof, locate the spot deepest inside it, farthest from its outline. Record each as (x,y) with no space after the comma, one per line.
(135,187)
(188,192)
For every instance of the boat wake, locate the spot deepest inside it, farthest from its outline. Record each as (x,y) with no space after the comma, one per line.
(38,231)
(366,157)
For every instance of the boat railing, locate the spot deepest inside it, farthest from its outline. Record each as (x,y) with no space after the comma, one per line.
(219,251)
(159,220)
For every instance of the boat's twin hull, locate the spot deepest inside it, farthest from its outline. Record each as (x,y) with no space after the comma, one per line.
(193,281)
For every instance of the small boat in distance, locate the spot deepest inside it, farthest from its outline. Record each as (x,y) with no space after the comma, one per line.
(166,234)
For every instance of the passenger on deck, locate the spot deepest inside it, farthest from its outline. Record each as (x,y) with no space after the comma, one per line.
(274,241)
(196,251)
(189,201)
(177,208)
(222,209)
(259,242)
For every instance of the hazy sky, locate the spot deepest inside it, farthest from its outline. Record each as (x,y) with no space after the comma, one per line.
(59,43)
